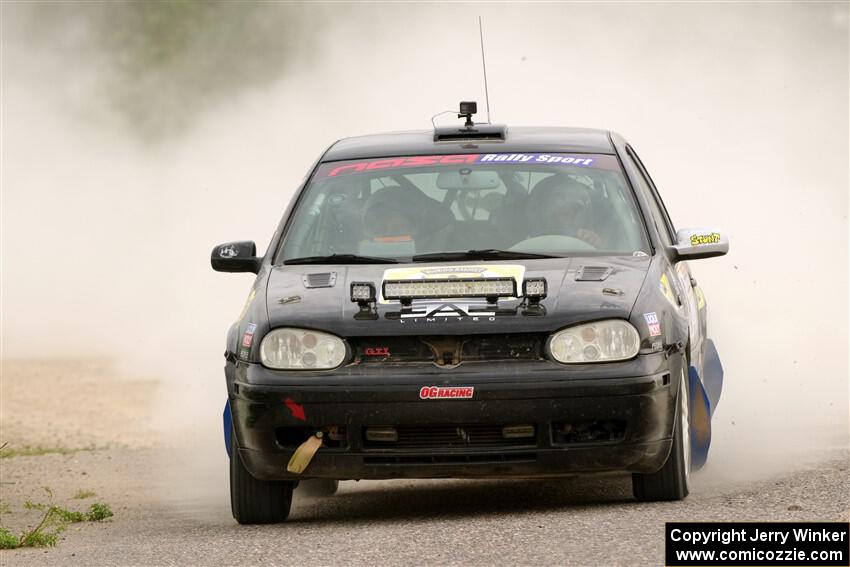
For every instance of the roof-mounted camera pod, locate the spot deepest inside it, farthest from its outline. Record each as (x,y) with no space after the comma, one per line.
(467,109)
(482,131)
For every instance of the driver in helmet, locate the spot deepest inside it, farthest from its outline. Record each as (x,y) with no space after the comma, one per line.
(561,205)
(389,223)
(399,221)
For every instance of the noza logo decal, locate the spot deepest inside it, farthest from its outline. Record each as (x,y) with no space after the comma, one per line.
(442,393)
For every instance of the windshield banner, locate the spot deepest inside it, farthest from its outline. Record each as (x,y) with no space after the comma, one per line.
(337,169)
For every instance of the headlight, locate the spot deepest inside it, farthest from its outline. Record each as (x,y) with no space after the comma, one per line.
(291,349)
(602,341)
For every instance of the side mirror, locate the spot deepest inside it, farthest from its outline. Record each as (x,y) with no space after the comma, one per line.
(235,257)
(696,243)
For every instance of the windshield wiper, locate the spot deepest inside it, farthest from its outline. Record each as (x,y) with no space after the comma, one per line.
(341,259)
(486,254)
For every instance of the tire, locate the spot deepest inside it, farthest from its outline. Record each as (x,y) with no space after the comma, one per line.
(254,501)
(318,487)
(672,481)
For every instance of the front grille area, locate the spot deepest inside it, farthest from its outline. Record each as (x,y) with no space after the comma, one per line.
(450,437)
(570,433)
(451,459)
(449,349)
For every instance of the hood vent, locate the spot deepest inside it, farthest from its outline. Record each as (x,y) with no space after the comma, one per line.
(325,279)
(593,273)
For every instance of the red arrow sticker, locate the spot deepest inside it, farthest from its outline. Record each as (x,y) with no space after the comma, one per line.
(297,410)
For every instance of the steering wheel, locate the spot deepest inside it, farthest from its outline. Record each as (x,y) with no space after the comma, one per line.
(467,203)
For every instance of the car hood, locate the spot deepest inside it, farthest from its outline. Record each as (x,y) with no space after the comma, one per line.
(579,289)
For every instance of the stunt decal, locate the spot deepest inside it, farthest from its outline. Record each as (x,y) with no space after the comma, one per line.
(700,239)
(439,393)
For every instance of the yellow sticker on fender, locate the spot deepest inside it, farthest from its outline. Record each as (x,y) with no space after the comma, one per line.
(664,285)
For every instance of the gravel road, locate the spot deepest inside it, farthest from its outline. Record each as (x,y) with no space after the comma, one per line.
(172,509)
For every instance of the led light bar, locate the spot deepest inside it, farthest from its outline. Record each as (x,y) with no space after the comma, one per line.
(449,288)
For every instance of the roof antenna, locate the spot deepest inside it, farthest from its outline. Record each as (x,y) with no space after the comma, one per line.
(484,65)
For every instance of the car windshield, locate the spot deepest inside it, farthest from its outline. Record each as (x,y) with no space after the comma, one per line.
(401,208)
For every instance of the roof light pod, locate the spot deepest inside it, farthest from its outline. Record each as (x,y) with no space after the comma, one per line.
(601,341)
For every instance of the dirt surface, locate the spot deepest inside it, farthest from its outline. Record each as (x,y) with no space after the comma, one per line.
(171,504)
(73,404)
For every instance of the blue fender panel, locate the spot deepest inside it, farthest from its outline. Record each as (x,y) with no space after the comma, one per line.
(228,427)
(712,374)
(700,414)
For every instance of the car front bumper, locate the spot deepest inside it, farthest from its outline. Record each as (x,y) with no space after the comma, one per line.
(632,405)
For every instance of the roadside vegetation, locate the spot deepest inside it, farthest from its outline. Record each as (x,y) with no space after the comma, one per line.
(29,451)
(53,521)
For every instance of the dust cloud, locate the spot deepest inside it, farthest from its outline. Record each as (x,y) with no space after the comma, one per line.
(121,168)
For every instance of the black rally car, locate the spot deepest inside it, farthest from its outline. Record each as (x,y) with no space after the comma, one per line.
(476,301)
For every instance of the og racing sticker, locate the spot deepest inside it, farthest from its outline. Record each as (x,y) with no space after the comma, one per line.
(442,392)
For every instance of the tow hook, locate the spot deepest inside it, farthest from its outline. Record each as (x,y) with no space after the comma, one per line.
(678,346)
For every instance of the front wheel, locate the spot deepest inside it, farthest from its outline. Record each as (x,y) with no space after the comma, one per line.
(672,481)
(255,501)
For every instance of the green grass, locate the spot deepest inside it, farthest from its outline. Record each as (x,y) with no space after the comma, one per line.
(36,451)
(53,522)
(99,512)
(83,494)
(8,540)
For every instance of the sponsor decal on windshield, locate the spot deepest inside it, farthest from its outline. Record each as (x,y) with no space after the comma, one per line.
(338,169)
(580,161)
